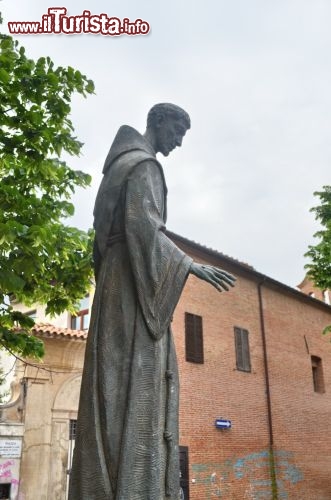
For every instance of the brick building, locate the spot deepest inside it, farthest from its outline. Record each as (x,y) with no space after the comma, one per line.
(266,368)
(253,358)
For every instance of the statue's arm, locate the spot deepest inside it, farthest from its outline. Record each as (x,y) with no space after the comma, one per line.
(221,280)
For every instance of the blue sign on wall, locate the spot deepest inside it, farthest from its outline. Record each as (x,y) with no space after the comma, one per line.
(221,423)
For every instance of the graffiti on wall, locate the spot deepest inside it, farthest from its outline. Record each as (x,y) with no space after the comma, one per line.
(9,473)
(252,471)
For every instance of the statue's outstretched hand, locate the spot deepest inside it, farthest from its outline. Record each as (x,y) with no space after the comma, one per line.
(220,279)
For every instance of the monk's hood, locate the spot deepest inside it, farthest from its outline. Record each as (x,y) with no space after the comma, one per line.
(126,140)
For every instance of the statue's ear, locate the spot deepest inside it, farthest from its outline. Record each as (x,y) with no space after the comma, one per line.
(159,119)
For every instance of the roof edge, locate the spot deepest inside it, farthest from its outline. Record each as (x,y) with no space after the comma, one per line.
(47,330)
(247,269)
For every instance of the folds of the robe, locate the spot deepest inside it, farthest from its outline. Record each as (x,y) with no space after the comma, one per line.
(127,441)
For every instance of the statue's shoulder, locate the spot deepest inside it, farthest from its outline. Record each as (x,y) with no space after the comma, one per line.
(129,142)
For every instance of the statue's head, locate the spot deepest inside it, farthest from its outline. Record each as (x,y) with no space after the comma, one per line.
(166,126)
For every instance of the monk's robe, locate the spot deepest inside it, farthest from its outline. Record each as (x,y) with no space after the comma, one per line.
(127,430)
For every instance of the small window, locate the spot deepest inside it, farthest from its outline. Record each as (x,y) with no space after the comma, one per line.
(243,360)
(326,296)
(193,338)
(317,370)
(5,491)
(81,320)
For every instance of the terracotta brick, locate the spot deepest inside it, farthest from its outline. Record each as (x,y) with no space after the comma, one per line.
(235,463)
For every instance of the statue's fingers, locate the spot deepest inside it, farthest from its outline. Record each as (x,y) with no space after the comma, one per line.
(220,271)
(229,281)
(228,278)
(220,276)
(223,285)
(218,280)
(216,285)
(213,280)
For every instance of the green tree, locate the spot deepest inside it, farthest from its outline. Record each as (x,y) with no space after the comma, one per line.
(319,267)
(41,259)
(4,393)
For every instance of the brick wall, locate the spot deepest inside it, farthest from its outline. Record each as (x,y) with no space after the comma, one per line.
(235,463)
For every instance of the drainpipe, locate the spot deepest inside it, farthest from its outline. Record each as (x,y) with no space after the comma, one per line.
(272,465)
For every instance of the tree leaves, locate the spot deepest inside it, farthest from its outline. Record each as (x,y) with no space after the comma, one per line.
(319,268)
(21,343)
(41,259)
(327,330)
(4,76)
(10,281)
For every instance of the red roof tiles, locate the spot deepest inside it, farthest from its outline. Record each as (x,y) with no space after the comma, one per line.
(50,331)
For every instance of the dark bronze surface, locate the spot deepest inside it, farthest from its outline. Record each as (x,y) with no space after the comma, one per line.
(127,431)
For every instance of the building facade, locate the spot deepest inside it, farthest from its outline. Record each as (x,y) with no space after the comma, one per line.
(255,373)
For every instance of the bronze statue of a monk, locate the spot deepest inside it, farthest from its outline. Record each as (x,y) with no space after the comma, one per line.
(127,431)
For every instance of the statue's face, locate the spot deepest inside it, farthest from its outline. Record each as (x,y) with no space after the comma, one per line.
(169,134)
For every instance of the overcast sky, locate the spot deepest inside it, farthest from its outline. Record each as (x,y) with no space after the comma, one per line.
(255,77)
